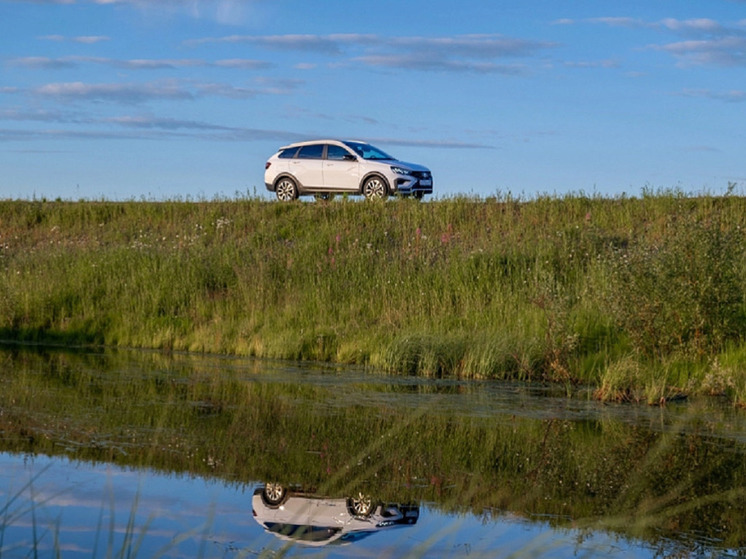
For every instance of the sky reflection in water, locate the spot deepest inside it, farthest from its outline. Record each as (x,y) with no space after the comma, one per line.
(96,510)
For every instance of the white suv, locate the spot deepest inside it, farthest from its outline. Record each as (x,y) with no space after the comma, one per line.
(328,167)
(317,521)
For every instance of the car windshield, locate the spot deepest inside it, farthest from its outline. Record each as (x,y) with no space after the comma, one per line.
(367,151)
(302,532)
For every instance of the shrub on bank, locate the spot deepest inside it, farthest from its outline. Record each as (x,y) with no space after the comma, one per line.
(680,291)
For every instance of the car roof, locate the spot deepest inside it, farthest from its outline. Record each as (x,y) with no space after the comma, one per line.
(321,141)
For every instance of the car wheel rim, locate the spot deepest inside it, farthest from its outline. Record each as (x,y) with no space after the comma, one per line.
(361,505)
(374,188)
(274,492)
(286,191)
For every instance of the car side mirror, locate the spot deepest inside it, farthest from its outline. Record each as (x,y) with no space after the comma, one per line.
(349,157)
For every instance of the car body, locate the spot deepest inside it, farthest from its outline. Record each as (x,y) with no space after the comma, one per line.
(327,167)
(319,521)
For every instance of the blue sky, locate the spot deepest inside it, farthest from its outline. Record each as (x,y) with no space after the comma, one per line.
(162,99)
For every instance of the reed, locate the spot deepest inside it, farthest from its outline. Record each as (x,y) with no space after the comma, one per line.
(567,289)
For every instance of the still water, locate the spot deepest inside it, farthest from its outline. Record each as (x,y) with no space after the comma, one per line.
(144,455)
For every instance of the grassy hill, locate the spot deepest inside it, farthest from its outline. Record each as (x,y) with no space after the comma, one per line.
(640,298)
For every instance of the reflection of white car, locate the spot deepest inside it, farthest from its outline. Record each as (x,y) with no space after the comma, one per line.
(320,521)
(328,167)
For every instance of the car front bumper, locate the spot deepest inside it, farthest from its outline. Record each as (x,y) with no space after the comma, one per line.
(410,184)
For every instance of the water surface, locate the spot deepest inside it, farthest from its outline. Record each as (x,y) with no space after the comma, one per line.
(140,454)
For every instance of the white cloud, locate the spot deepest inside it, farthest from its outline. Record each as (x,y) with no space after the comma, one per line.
(114,92)
(39,115)
(134,64)
(173,90)
(483,46)
(593,64)
(707,42)
(224,11)
(226,90)
(83,39)
(90,39)
(424,62)
(156,64)
(42,62)
(458,53)
(476,46)
(620,21)
(242,63)
(732,96)
(704,41)
(692,25)
(327,44)
(151,127)
(150,122)
(610,21)
(725,51)
(445,144)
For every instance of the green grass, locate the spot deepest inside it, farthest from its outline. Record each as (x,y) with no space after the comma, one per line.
(642,298)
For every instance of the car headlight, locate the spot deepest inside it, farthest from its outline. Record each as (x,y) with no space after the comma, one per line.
(401,171)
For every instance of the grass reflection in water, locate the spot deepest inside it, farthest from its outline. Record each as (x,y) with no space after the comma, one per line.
(679,484)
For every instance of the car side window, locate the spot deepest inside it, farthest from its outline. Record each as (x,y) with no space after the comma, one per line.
(336,153)
(314,151)
(288,153)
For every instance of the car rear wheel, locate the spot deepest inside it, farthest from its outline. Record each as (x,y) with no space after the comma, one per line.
(286,190)
(273,494)
(375,188)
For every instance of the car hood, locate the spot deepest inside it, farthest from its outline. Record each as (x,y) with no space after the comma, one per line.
(410,166)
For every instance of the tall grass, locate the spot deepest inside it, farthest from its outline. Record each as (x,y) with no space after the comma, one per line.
(566,288)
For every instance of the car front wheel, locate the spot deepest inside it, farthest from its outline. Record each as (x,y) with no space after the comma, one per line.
(375,188)
(286,190)
(360,505)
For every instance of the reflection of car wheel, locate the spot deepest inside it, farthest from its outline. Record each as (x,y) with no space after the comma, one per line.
(361,505)
(375,188)
(324,197)
(273,494)
(286,190)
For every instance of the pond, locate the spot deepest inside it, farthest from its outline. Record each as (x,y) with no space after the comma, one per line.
(137,454)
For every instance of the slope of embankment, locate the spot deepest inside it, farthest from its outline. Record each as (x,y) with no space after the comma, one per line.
(640,298)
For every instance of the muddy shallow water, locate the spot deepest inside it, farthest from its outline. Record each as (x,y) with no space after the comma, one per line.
(142,455)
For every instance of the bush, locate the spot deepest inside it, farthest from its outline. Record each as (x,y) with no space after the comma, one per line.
(678,292)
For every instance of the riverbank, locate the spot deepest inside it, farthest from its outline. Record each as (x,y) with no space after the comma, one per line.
(641,298)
